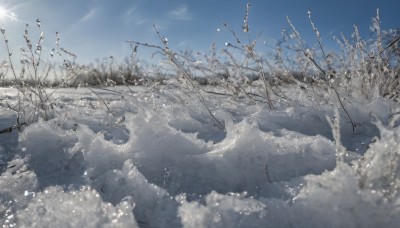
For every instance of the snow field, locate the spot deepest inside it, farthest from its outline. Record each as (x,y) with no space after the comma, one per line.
(161,162)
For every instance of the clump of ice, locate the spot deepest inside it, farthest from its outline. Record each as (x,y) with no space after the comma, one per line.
(232,210)
(380,169)
(81,208)
(335,199)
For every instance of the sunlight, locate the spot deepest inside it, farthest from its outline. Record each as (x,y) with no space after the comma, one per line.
(6,13)
(3,13)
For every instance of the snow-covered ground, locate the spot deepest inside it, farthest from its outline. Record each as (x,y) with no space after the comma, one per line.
(160,161)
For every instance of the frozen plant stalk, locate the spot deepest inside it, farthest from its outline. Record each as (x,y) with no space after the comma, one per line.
(335,125)
(246,19)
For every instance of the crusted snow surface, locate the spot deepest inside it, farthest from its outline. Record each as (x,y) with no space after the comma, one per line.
(160,160)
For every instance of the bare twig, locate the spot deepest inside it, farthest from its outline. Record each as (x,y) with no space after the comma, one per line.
(10,129)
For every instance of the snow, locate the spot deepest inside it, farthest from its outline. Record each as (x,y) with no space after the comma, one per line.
(159,160)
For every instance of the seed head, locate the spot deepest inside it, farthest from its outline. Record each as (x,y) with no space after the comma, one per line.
(38,22)
(165,40)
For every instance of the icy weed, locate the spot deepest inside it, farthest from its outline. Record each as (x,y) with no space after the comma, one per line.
(155,162)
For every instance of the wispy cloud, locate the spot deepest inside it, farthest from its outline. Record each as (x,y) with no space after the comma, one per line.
(141,21)
(130,12)
(132,16)
(181,13)
(89,15)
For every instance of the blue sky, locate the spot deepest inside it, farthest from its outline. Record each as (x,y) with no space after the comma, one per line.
(99,28)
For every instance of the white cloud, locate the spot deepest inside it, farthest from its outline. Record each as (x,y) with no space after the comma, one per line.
(181,13)
(89,15)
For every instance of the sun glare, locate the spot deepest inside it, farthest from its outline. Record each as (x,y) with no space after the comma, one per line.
(6,13)
(3,13)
